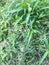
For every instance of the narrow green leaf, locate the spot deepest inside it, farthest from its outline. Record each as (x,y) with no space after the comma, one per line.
(44,56)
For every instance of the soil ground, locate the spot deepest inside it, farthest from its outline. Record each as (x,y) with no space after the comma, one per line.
(46,62)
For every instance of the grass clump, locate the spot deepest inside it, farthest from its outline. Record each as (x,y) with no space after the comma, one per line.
(24,32)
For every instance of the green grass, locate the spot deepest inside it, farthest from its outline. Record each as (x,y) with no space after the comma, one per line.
(24,32)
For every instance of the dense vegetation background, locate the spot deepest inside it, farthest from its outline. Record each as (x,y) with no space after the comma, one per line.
(24,32)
